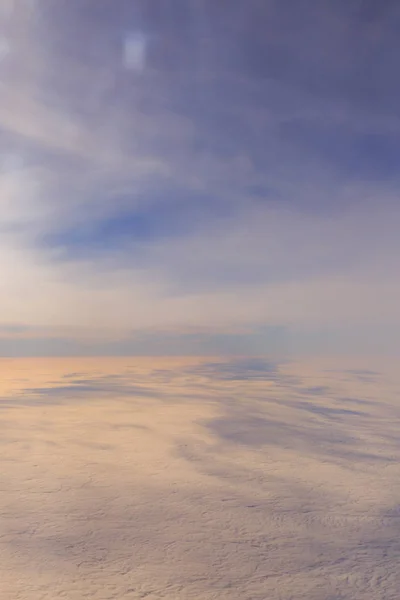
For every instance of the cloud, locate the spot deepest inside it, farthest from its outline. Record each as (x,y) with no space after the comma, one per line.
(207,167)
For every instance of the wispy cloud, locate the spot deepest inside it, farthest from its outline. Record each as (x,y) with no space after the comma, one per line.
(199,167)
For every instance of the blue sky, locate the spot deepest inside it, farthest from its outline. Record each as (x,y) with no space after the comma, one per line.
(196,176)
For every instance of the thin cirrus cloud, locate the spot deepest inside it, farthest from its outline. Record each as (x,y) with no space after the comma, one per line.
(180,165)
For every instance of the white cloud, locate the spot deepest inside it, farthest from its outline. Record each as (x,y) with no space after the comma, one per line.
(114,294)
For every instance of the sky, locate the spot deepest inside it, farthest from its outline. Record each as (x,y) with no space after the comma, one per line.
(199,177)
